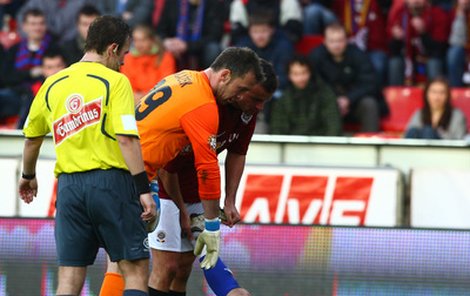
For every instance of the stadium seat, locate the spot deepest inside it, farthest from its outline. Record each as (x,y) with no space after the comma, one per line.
(402,102)
(461,100)
(9,122)
(307,43)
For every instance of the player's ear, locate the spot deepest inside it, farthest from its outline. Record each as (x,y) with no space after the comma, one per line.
(113,49)
(225,75)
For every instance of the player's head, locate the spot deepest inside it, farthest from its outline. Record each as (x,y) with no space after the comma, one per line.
(253,101)
(236,70)
(87,14)
(109,37)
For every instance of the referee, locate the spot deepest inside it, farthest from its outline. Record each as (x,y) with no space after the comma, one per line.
(89,108)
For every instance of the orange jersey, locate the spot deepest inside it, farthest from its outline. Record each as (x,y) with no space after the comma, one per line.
(179,111)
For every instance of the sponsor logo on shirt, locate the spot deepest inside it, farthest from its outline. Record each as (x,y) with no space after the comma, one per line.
(79,116)
(245,117)
(212,142)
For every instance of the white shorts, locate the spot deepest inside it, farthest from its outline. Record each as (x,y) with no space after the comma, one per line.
(168,235)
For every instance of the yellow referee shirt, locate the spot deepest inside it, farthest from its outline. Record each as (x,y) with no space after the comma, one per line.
(84,106)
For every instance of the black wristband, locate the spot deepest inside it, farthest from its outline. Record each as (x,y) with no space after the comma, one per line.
(141,183)
(28,177)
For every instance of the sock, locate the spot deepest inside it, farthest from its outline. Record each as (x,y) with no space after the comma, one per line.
(113,285)
(220,278)
(134,293)
(153,292)
(174,293)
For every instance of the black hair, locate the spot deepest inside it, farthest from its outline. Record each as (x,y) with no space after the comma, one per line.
(240,61)
(53,53)
(88,10)
(33,12)
(426,115)
(270,82)
(301,60)
(104,31)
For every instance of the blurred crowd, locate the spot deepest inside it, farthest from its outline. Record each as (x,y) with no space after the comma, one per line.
(334,88)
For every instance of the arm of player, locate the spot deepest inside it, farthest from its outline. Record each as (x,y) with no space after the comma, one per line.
(131,151)
(171,184)
(200,125)
(234,165)
(28,188)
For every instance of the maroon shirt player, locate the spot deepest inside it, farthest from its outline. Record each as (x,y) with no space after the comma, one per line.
(171,243)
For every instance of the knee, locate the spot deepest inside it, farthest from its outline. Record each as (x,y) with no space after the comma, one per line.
(368,105)
(137,270)
(183,272)
(239,292)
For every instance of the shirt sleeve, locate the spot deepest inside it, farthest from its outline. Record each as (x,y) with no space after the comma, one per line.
(122,114)
(38,121)
(200,125)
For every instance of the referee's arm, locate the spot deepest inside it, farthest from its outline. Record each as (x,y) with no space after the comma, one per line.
(131,151)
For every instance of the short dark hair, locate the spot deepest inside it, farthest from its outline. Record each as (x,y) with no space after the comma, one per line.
(335,26)
(270,82)
(240,61)
(53,53)
(88,10)
(33,12)
(262,18)
(104,31)
(301,60)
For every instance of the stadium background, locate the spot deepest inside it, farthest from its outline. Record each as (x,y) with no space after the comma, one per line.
(387,248)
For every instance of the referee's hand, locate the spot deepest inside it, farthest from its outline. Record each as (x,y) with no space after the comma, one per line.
(149,206)
(28,189)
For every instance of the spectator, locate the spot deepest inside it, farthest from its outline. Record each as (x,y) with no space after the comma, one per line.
(317,15)
(192,31)
(22,65)
(148,62)
(349,72)
(418,35)
(52,62)
(287,17)
(438,119)
(73,48)
(307,106)
(365,25)
(133,12)
(60,16)
(459,43)
(265,40)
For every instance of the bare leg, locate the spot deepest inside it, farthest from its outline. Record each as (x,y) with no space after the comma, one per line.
(71,280)
(135,274)
(183,272)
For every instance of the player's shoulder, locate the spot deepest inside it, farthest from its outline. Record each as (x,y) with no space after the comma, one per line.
(195,82)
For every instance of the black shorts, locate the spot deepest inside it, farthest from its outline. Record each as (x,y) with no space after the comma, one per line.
(98,208)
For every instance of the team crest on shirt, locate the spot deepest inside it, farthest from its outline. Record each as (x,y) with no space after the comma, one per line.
(212,142)
(245,117)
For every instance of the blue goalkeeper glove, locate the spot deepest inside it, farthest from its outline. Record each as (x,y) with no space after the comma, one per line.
(210,238)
